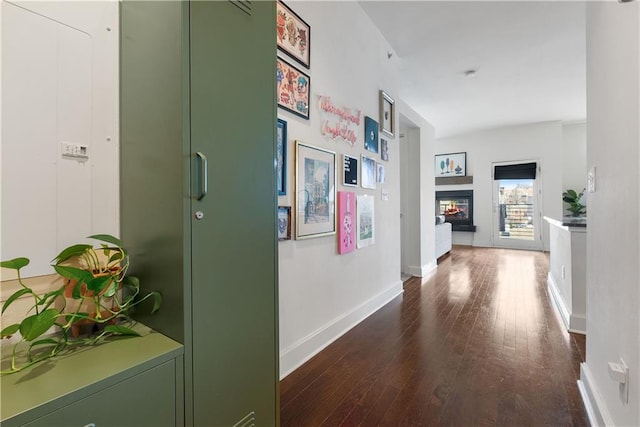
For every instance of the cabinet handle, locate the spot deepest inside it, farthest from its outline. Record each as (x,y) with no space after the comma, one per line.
(202,175)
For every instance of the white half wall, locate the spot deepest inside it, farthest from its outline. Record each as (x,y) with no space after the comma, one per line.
(613,138)
(541,142)
(323,294)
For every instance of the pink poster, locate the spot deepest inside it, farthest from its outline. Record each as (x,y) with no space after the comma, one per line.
(346,221)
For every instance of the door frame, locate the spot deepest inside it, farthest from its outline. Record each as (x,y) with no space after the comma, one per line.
(496,241)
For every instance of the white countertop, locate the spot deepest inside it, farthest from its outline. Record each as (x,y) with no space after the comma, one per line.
(578,225)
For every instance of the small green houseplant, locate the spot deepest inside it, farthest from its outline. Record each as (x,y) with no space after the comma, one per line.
(573,199)
(96,294)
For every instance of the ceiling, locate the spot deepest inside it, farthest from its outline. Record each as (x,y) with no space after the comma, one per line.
(529,59)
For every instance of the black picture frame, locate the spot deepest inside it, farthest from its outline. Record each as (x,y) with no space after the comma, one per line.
(284,223)
(293,88)
(288,21)
(281,157)
(349,170)
(450,165)
(371,134)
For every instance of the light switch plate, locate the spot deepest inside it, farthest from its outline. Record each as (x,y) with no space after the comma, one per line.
(76,151)
(591,180)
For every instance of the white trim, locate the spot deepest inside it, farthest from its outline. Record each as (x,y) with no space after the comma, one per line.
(414,270)
(572,322)
(557,300)
(594,404)
(304,349)
(425,271)
(429,270)
(578,324)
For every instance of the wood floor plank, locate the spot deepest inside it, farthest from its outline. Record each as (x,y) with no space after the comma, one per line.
(476,344)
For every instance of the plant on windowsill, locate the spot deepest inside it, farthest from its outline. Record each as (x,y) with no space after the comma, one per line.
(574,200)
(94,303)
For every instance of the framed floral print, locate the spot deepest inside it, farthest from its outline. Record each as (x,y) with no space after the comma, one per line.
(292,89)
(293,34)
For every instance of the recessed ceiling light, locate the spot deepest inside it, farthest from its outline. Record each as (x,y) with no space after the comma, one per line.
(470,73)
(625,1)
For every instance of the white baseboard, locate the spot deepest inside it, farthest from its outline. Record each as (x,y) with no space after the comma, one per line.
(429,269)
(572,322)
(424,271)
(557,300)
(414,270)
(304,349)
(592,399)
(578,324)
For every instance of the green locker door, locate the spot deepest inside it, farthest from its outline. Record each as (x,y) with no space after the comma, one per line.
(233,115)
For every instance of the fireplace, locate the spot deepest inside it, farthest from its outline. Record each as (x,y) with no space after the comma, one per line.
(457,208)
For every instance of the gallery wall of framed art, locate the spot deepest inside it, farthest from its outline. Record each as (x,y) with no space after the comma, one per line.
(324,272)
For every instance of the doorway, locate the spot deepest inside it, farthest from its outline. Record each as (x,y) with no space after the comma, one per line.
(516,213)
(410,231)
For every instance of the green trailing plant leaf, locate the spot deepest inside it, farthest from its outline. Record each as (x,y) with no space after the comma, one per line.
(76,292)
(34,326)
(157,301)
(111,290)
(132,281)
(73,273)
(15,264)
(46,341)
(15,296)
(107,238)
(120,330)
(76,316)
(98,284)
(50,297)
(70,252)
(115,257)
(10,330)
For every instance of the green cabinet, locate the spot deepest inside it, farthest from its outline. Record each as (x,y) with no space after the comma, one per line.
(198,194)
(146,399)
(123,382)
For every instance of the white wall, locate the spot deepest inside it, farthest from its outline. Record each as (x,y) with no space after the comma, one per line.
(613,250)
(420,137)
(540,142)
(574,155)
(59,84)
(323,294)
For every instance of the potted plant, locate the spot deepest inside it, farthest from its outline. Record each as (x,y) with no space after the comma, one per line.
(97,295)
(574,200)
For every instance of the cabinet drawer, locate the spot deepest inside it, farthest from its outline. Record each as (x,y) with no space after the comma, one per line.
(146,399)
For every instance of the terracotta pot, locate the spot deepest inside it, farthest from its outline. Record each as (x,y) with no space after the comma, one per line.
(87,306)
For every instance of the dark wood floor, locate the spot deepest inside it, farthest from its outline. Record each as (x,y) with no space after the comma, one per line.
(477,344)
